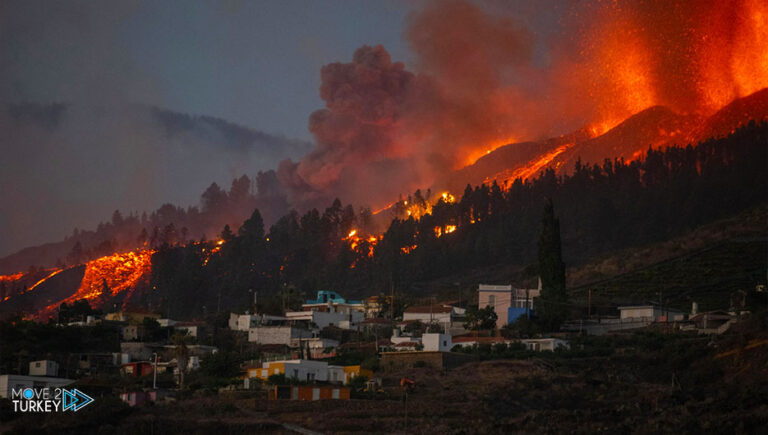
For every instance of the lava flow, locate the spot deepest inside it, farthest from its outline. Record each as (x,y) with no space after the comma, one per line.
(108,276)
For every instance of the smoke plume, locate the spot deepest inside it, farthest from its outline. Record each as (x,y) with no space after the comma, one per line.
(482,79)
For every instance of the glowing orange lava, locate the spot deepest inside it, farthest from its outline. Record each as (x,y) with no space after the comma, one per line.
(113,274)
(55,272)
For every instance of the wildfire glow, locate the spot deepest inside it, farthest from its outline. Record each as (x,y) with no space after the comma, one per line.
(119,272)
(356,241)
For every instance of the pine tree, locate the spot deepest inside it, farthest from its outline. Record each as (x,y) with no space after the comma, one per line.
(551,306)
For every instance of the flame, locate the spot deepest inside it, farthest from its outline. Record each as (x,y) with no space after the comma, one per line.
(408,249)
(355,241)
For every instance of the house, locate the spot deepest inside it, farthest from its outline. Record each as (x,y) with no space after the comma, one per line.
(301,369)
(137,398)
(303,392)
(99,362)
(137,368)
(345,374)
(711,322)
(43,368)
(332,301)
(508,302)
(277,334)
(307,370)
(534,344)
(165,323)
(133,317)
(12,385)
(649,313)
(322,319)
(193,329)
(469,340)
(318,347)
(133,332)
(544,344)
(137,350)
(436,342)
(441,314)
(374,306)
(244,322)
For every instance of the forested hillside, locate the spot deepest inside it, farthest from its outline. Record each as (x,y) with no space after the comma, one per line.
(602,207)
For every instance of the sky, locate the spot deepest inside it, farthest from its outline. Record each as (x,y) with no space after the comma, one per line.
(254,63)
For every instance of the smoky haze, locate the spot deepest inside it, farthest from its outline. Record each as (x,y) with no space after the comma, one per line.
(72,165)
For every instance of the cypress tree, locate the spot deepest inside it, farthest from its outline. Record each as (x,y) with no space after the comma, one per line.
(551,306)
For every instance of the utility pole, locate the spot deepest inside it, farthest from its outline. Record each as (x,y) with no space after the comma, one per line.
(431,301)
(154,374)
(589,309)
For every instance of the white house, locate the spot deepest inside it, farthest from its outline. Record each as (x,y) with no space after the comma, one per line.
(436,342)
(649,313)
(43,368)
(507,302)
(166,322)
(543,344)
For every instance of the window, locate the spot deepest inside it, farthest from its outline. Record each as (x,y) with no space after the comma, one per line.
(492,301)
(445,343)
(37,365)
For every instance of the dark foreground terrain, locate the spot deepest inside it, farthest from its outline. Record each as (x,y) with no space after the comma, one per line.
(642,382)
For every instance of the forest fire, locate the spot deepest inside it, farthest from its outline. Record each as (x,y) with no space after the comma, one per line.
(356,241)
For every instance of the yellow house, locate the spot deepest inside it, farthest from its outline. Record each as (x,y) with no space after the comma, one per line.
(355,371)
(308,370)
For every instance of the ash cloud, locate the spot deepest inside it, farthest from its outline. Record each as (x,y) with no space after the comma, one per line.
(483,77)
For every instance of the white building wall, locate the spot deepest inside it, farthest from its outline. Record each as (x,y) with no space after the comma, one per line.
(436,342)
(304,370)
(245,322)
(43,368)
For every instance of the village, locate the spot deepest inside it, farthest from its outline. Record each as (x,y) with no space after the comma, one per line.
(333,348)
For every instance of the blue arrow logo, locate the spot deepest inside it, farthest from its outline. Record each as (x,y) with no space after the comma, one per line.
(75,400)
